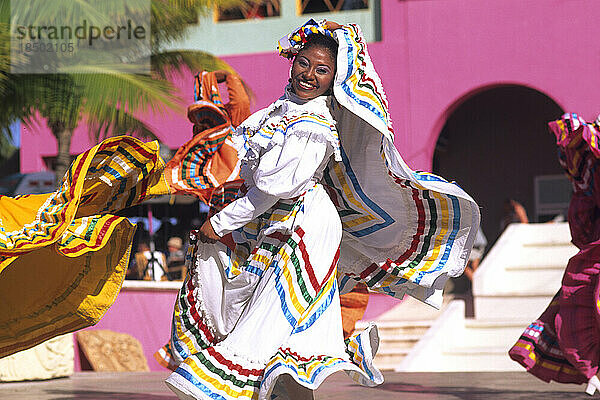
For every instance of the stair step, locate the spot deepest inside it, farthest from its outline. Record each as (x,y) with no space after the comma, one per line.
(476,350)
(387,366)
(394,324)
(391,352)
(386,359)
(398,328)
(387,337)
(541,267)
(493,324)
(399,342)
(401,347)
(550,243)
(512,287)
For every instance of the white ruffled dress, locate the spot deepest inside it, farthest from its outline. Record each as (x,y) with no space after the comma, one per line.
(266,303)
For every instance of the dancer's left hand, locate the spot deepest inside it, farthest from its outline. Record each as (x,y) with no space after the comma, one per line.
(207,233)
(332,26)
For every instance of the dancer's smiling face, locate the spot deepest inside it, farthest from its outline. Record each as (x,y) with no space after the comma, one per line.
(313,72)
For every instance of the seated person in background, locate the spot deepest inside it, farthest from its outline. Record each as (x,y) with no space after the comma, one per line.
(513,212)
(176,259)
(150,265)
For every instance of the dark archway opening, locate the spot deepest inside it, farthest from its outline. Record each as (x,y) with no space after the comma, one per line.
(494,145)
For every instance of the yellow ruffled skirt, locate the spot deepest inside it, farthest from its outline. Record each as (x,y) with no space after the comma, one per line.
(63,255)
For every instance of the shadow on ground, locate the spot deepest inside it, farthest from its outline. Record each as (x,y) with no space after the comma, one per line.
(473,393)
(102,395)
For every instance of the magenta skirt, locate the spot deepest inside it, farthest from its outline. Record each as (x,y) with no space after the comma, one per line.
(564,343)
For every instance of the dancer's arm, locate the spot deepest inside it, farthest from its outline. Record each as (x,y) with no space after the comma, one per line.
(284,172)
(238,106)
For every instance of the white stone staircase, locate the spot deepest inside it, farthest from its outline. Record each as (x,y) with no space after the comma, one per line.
(512,287)
(400,328)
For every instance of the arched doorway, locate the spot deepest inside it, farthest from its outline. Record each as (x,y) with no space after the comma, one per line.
(494,145)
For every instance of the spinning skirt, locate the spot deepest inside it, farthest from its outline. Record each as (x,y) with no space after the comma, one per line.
(63,256)
(264,302)
(564,343)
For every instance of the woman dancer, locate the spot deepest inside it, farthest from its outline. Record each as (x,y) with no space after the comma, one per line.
(564,343)
(260,304)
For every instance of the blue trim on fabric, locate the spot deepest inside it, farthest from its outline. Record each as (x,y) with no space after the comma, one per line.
(361,350)
(228,268)
(428,177)
(348,90)
(310,121)
(192,174)
(109,170)
(269,134)
(344,281)
(388,291)
(313,376)
(281,291)
(349,55)
(316,314)
(175,340)
(247,234)
(192,379)
(388,220)
(254,270)
(212,149)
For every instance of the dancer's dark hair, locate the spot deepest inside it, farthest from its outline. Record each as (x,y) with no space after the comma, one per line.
(324,41)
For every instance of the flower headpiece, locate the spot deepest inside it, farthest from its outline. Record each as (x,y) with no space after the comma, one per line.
(289,45)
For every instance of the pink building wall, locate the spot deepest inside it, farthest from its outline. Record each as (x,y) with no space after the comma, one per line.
(433,55)
(143,314)
(146,314)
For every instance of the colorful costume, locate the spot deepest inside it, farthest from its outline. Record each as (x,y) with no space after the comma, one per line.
(564,343)
(209,159)
(319,212)
(63,256)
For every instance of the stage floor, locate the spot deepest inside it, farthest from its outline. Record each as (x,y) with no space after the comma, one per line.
(408,386)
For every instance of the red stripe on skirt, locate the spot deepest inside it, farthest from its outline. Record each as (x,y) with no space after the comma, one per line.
(99,238)
(235,367)
(194,312)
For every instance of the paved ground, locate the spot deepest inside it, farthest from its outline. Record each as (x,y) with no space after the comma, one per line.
(406,386)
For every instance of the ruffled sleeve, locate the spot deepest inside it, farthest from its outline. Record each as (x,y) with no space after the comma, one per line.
(285,170)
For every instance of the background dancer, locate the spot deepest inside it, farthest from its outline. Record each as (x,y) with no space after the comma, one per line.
(564,343)
(209,159)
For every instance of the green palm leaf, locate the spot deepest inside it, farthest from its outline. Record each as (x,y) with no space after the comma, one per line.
(164,64)
(109,97)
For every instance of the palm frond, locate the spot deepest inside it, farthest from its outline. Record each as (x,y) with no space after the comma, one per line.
(7,149)
(105,90)
(47,13)
(109,96)
(122,123)
(166,63)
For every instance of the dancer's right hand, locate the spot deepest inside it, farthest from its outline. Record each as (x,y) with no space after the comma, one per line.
(206,233)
